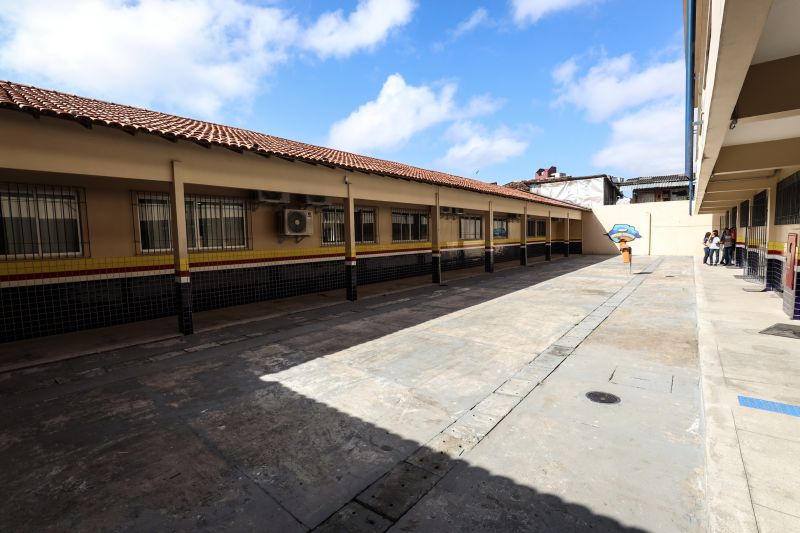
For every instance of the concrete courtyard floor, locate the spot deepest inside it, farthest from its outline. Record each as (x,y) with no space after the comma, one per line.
(453,408)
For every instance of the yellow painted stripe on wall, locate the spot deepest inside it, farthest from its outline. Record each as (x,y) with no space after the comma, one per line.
(63,264)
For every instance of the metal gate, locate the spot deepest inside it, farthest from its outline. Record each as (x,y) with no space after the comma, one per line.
(755,256)
(755,240)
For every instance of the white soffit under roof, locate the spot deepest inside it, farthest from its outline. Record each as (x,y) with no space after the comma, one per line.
(763,130)
(781,35)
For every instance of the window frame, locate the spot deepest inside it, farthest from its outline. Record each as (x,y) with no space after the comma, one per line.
(787,204)
(35,190)
(409,223)
(473,218)
(219,202)
(339,210)
(193,222)
(138,214)
(503,221)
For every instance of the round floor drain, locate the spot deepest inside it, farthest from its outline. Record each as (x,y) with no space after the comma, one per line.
(602,397)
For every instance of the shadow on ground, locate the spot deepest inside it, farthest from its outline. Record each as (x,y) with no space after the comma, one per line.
(200,437)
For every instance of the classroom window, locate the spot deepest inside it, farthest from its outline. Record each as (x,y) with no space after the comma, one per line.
(758,217)
(500,228)
(537,227)
(471,227)
(154,216)
(744,214)
(409,225)
(214,223)
(39,221)
(787,204)
(333,225)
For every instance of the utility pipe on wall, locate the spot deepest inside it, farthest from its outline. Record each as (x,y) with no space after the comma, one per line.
(689,147)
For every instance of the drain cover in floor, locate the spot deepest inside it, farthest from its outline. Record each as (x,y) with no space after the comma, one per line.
(602,397)
(783,330)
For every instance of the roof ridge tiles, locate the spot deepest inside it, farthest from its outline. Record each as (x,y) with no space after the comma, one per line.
(23,97)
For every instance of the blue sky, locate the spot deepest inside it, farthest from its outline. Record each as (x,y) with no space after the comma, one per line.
(491,90)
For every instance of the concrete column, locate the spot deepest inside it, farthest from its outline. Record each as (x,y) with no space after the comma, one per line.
(523,237)
(180,252)
(548,247)
(436,253)
(488,235)
(566,238)
(774,248)
(351,281)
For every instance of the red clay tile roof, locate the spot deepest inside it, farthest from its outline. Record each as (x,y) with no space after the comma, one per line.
(132,119)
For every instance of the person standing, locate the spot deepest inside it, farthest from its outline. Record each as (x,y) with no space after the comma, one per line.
(727,247)
(706,249)
(713,244)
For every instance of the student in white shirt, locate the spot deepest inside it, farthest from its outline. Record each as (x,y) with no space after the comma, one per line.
(713,245)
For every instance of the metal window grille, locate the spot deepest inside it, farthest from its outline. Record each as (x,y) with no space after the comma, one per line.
(154,222)
(40,221)
(500,228)
(471,227)
(759,216)
(215,223)
(212,222)
(787,200)
(410,225)
(333,225)
(744,214)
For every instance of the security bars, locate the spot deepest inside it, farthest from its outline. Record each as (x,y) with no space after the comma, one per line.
(212,222)
(39,221)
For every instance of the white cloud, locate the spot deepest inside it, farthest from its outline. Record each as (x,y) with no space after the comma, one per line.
(478,17)
(530,11)
(614,85)
(476,148)
(190,55)
(201,57)
(642,105)
(646,142)
(366,27)
(400,111)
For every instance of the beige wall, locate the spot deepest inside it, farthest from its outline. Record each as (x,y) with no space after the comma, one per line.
(110,165)
(666,228)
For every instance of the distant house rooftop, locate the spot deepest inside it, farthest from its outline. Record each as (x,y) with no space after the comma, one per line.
(655,182)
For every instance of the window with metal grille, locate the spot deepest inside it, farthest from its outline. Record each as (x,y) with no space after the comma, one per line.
(787,200)
(759,215)
(155,222)
(500,227)
(744,214)
(734,218)
(409,225)
(212,222)
(471,227)
(40,221)
(333,225)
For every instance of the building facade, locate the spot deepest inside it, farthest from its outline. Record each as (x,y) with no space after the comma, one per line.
(746,86)
(646,189)
(586,191)
(111,214)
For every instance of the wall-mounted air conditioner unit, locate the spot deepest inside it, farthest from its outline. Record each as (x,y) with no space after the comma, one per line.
(271,197)
(309,199)
(297,222)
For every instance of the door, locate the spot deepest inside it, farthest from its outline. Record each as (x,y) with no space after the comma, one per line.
(791,260)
